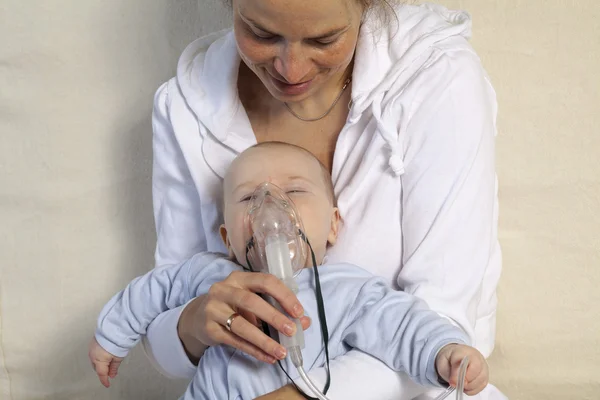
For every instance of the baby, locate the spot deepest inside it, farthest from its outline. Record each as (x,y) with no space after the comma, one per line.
(362,312)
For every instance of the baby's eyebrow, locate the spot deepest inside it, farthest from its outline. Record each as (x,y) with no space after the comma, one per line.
(299,178)
(243,185)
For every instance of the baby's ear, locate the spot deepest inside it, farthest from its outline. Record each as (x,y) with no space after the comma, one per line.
(335,226)
(225,239)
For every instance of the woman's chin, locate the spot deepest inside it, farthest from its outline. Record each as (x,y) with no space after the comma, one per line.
(290,93)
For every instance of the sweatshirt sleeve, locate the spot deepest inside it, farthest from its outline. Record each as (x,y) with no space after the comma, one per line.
(127,315)
(177,208)
(399,329)
(179,233)
(449,198)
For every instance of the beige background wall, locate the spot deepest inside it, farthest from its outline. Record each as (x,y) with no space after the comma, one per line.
(76,84)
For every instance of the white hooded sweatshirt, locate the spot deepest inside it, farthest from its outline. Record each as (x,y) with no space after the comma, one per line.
(413,172)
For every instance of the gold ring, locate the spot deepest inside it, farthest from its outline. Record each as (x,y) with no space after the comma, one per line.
(230,321)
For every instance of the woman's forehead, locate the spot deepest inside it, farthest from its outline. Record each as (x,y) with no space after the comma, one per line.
(276,12)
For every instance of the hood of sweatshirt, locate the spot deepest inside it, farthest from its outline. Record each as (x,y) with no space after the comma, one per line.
(386,60)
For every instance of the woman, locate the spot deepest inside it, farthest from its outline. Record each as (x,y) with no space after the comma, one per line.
(394,101)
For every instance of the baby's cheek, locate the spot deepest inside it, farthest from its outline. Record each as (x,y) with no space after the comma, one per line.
(237,236)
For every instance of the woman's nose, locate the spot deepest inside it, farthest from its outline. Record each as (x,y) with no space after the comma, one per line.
(291,63)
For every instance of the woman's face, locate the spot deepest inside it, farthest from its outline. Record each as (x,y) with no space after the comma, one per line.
(295,47)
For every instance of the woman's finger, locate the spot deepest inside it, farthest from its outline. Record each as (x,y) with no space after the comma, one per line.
(305,321)
(251,334)
(264,311)
(268,284)
(251,318)
(233,340)
(242,299)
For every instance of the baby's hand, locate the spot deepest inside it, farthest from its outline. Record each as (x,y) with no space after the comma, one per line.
(105,364)
(448,362)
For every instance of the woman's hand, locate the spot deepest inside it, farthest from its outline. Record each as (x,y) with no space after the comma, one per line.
(203,322)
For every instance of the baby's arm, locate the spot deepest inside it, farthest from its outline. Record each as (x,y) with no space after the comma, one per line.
(127,315)
(405,334)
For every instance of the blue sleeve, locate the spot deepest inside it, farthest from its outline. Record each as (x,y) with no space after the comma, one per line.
(398,329)
(127,315)
(212,380)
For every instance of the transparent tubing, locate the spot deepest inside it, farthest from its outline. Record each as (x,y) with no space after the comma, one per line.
(279,263)
(310,385)
(460,385)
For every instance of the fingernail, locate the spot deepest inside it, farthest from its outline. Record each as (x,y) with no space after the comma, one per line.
(270,360)
(280,353)
(298,311)
(288,329)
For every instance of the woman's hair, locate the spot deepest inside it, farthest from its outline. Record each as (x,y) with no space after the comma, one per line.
(384,9)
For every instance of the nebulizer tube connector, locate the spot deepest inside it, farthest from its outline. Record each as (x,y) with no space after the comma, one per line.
(278,261)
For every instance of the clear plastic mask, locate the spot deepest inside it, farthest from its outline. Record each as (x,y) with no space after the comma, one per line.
(272,217)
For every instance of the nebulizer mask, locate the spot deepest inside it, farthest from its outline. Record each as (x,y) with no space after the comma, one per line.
(277,245)
(276,242)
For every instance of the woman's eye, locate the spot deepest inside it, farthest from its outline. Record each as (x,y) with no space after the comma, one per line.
(324,42)
(246,198)
(262,35)
(295,191)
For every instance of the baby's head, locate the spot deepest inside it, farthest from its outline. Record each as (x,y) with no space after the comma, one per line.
(299,174)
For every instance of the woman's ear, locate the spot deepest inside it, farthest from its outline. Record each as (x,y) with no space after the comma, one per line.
(225,239)
(335,226)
